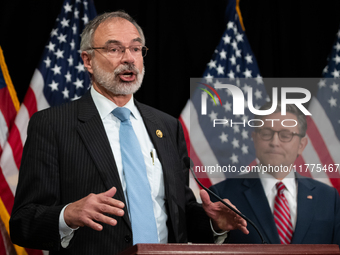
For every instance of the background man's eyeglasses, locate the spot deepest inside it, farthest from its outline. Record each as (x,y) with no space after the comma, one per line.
(284,135)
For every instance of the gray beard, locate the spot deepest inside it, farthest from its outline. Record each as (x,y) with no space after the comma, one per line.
(111,81)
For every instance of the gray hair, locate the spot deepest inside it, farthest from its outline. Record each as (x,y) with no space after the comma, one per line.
(291,108)
(88,32)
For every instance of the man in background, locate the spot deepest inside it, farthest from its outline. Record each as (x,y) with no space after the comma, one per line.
(286,207)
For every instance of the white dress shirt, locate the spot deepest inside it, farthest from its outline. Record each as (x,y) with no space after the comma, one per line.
(153,166)
(269,182)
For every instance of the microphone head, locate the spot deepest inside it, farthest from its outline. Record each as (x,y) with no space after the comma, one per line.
(188,162)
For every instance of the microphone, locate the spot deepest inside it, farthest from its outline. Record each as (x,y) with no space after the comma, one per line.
(189,164)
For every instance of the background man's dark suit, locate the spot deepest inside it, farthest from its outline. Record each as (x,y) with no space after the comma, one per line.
(318,218)
(68,156)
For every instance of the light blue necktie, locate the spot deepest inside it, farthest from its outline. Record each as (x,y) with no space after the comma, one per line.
(138,189)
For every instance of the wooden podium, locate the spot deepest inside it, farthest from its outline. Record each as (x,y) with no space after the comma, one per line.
(258,249)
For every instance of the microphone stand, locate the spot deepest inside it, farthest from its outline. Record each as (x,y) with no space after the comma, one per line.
(221,200)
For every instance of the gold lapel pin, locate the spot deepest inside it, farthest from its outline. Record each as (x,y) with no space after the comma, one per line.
(159,133)
(310,197)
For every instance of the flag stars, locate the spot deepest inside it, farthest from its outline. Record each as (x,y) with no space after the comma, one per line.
(259,79)
(76,13)
(230,25)
(239,37)
(75,97)
(246,88)
(85,5)
(249,59)
(247,73)
(59,54)
(226,124)
(217,82)
(80,67)
(244,134)
(216,100)
(245,117)
(220,69)
(337,59)
(56,69)
(234,44)
(236,129)
(226,39)
(66,93)
(233,60)
(322,83)
(50,46)
(70,60)
(234,159)
(223,54)
(231,75)
(227,106)
(85,18)
(244,149)
(54,32)
(337,46)
(68,76)
(209,78)
(47,62)
(212,64)
(336,73)
(235,30)
(54,86)
(79,84)
(62,38)
(335,87)
(64,23)
(235,143)
(258,94)
(68,7)
(72,44)
(332,102)
(325,70)
(223,137)
(238,53)
(74,29)
(213,115)
(238,69)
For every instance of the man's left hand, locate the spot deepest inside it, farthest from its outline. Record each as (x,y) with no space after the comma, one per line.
(223,219)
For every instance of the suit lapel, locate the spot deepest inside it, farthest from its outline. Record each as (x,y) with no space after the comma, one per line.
(92,132)
(305,209)
(259,204)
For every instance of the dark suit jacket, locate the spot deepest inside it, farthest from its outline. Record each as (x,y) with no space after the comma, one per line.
(67,156)
(318,219)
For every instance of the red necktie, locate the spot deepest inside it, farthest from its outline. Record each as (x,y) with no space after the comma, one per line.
(282,215)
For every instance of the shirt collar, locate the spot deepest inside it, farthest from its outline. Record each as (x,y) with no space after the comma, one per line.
(269,182)
(106,106)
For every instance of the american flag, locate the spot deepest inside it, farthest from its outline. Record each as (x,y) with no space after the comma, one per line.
(232,63)
(9,106)
(230,145)
(324,124)
(60,77)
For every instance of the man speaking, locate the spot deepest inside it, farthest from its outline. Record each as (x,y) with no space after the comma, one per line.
(105,172)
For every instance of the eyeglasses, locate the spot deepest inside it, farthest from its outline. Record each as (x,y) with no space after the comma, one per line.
(285,136)
(117,51)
